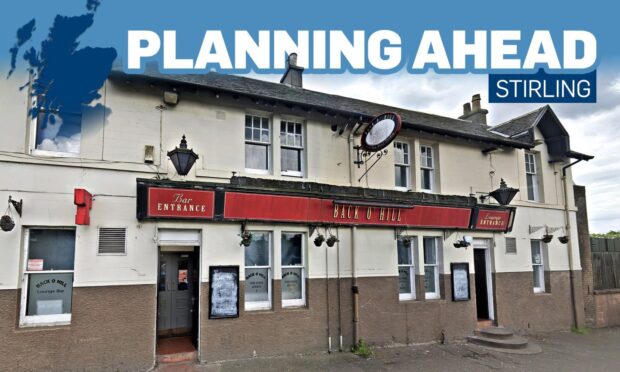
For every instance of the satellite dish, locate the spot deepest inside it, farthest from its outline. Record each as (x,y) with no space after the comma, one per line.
(381,132)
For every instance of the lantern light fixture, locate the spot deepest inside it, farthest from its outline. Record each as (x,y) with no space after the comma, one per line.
(503,195)
(183,158)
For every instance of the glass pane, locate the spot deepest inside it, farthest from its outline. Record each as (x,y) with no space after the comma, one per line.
(264,136)
(401,176)
(291,160)
(399,157)
(298,128)
(298,140)
(537,281)
(404,253)
(282,127)
(531,195)
(426,179)
(256,156)
(55,247)
(182,275)
(430,253)
(265,123)
(255,134)
(404,279)
(59,132)
(248,133)
(291,249)
(429,279)
(162,277)
(49,294)
(536,257)
(291,284)
(257,254)
(256,285)
(248,121)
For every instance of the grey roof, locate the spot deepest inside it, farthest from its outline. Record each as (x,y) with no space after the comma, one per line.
(312,99)
(521,123)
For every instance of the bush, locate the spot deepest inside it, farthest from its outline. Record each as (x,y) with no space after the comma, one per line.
(362,349)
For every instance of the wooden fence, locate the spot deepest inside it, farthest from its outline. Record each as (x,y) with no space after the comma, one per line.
(605,262)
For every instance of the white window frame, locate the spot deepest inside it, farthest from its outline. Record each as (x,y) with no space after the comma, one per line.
(34,126)
(538,269)
(412,269)
(406,165)
(424,166)
(437,294)
(262,143)
(301,149)
(41,320)
(531,168)
(262,305)
(302,301)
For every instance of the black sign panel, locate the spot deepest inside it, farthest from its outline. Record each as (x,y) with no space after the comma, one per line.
(223,292)
(460,281)
(381,132)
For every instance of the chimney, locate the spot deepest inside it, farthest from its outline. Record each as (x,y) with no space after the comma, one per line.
(474,111)
(292,76)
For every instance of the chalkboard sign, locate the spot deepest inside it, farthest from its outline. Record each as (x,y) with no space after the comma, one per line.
(460,281)
(223,292)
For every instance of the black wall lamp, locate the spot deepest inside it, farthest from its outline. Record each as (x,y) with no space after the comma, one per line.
(7,223)
(503,195)
(183,158)
(246,236)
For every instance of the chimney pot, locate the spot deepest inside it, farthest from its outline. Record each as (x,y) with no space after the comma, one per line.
(475,102)
(293,74)
(466,108)
(292,59)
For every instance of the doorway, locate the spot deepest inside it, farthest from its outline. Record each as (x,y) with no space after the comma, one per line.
(483,280)
(178,293)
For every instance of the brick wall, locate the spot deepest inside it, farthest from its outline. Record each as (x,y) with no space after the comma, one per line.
(585,255)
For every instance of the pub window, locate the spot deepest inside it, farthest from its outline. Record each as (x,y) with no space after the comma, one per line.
(533,178)
(293,270)
(257,144)
(402,166)
(406,268)
(538,268)
(47,282)
(427,168)
(431,268)
(56,132)
(291,148)
(258,272)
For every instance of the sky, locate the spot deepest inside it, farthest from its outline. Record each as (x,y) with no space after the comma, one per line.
(592,127)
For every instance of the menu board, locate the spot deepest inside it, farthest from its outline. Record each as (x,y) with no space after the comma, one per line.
(460,281)
(224,292)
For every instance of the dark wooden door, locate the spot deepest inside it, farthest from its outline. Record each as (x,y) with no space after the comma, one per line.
(482,299)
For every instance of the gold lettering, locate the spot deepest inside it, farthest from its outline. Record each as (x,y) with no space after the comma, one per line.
(355,214)
(335,210)
(381,214)
(342,211)
(398,215)
(159,206)
(369,213)
(349,212)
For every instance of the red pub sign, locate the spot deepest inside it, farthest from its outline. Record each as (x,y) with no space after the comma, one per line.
(233,205)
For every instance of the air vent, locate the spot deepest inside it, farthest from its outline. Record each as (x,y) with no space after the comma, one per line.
(112,240)
(511,245)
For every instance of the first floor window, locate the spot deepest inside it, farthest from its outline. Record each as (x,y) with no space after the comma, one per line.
(257,144)
(427,168)
(538,268)
(402,162)
(58,131)
(292,148)
(406,268)
(293,271)
(531,173)
(258,272)
(47,284)
(431,268)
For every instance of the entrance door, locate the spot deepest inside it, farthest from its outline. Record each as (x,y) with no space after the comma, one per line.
(484,280)
(482,298)
(175,300)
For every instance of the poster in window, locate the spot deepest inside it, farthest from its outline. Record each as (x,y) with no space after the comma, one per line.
(460,281)
(224,292)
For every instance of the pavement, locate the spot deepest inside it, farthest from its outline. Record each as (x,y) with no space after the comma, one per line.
(598,350)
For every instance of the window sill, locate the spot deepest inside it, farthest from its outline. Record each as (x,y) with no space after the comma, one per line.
(432,297)
(294,305)
(407,300)
(402,189)
(257,171)
(45,321)
(53,154)
(292,174)
(540,292)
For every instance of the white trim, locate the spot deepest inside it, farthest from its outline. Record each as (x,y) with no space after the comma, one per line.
(299,302)
(437,294)
(538,269)
(412,271)
(261,305)
(486,245)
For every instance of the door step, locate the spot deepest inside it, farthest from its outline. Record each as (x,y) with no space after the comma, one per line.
(176,350)
(503,340)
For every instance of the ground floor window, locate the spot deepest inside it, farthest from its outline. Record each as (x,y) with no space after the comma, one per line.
(258,272)
(293,270)
(538,268)
(431,268)
(47,283)
(406,268)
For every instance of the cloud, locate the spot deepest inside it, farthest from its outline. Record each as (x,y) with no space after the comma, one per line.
(62,144)
(593,127)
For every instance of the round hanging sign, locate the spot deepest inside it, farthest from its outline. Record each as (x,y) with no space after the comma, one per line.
(381,131)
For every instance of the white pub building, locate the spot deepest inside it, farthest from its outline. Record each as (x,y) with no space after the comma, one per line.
(214,217)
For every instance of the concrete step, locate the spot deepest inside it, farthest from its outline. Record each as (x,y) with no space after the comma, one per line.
(182,357)
(514,342)
(499,333)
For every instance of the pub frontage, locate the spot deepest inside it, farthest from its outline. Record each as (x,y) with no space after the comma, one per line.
(287,221)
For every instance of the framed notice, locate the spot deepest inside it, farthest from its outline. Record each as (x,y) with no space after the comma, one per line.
(460,281)
(223,292)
